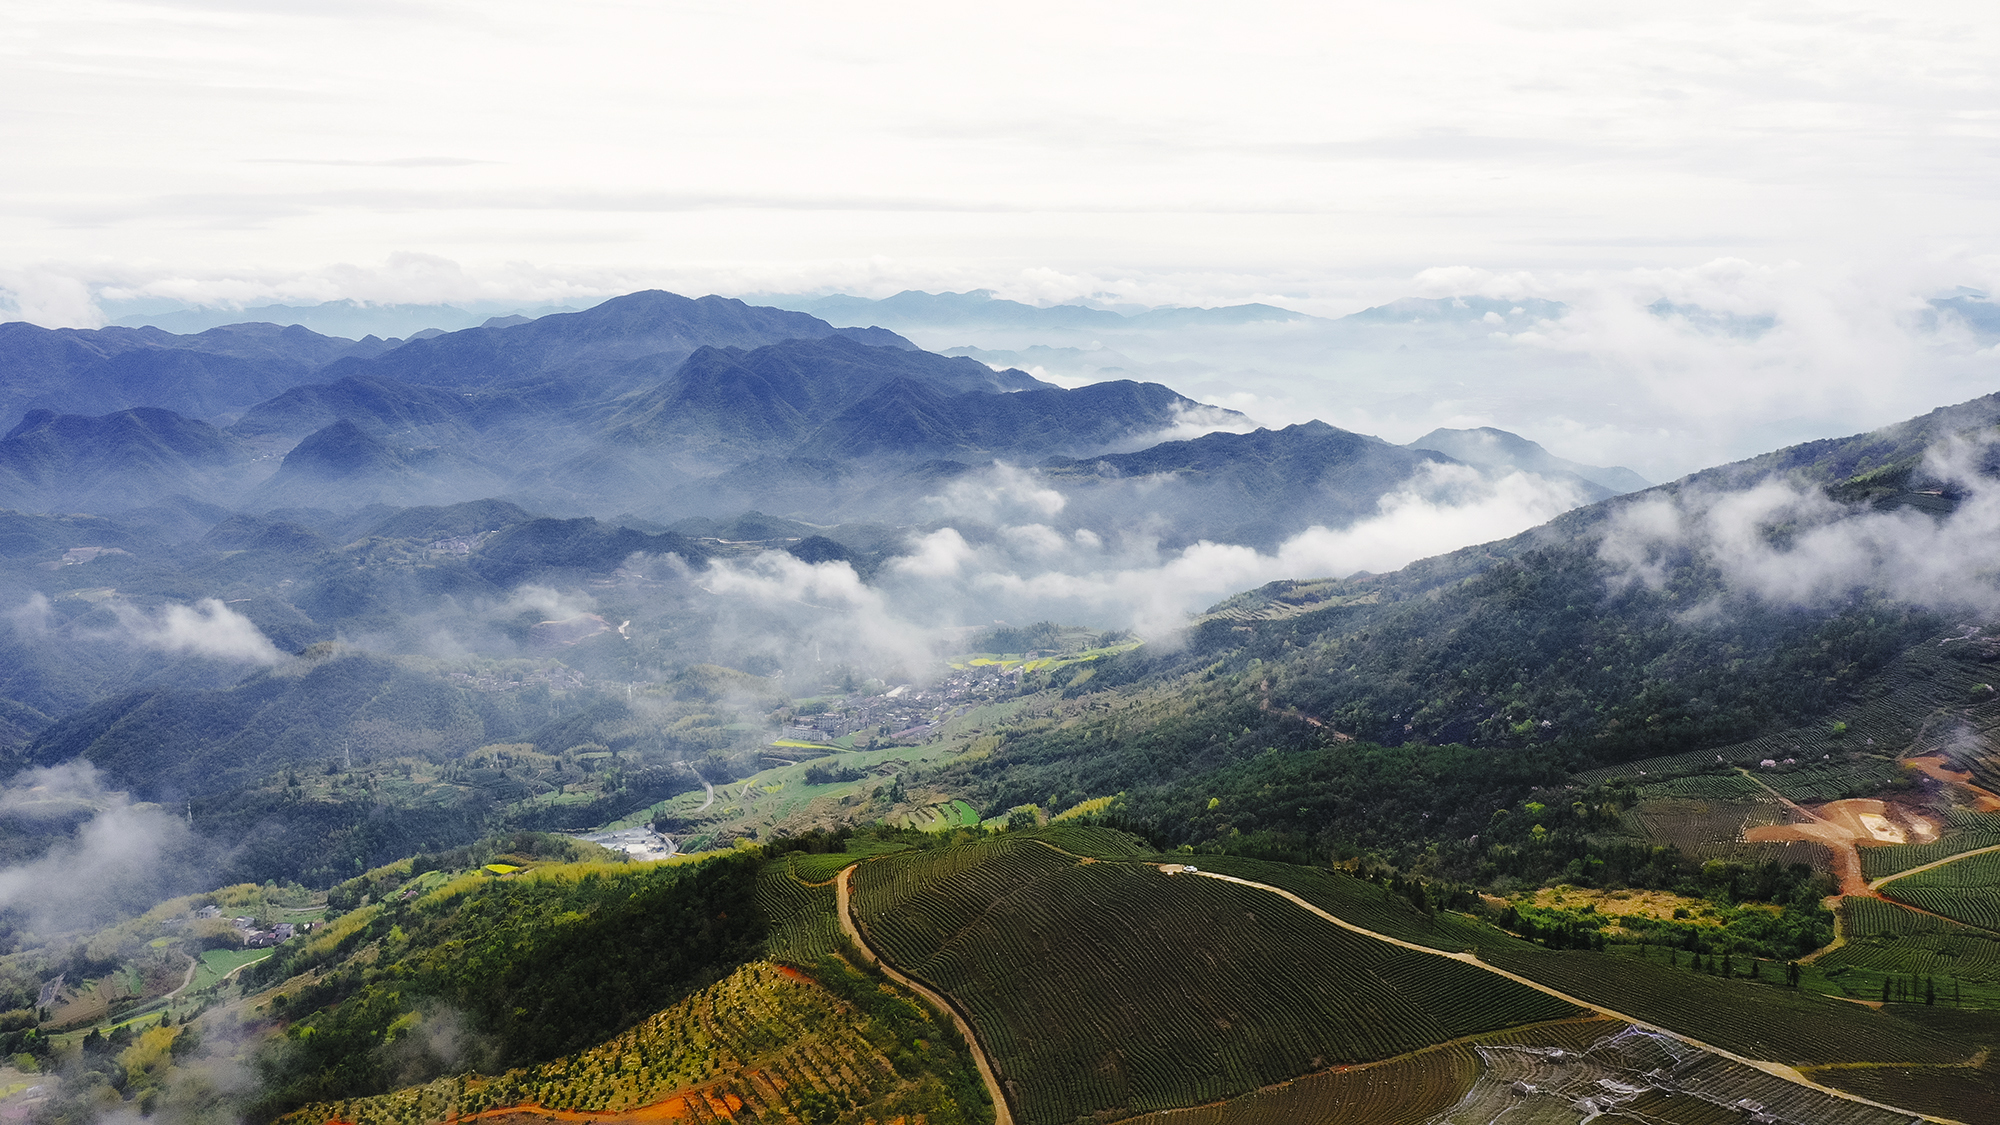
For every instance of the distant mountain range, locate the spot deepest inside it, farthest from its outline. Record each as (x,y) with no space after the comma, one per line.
(669,407)
(211,375)
(980,307)
(344,318)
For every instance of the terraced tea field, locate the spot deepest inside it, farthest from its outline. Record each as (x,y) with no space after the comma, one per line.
(1813,783)
(1708,828)
(1965,890)
(800,913)
(1368,905)
(795,892)
(1400,1091)
(1109,987)
(1884,940)
(1636,1076)
(1705,787)
(1964,830)
(1961,1093)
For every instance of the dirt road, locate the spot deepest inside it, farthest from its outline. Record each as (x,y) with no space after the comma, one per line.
(1002,1115)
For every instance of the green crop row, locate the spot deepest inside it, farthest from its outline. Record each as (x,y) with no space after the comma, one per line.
(1833,779)
(803,925)
(1884,941)
(1369,905)
(1964,831)
(1965,890)
(1705,787)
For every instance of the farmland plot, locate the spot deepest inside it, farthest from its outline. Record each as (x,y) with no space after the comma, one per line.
(1708,829)
(803,925)
(746,1045)
(1401,1091)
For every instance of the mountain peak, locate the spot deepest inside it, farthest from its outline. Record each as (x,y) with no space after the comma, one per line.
(1489,448)
(341,449)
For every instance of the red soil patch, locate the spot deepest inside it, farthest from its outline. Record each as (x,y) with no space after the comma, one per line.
(1845,825)
(1985,800)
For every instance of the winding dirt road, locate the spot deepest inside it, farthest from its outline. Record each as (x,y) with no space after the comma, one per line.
(1002,1115)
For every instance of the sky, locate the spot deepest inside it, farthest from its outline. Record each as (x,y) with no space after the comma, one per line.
(1831,165)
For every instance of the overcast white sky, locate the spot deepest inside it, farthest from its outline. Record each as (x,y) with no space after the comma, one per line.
(1829,164)
(1193,151)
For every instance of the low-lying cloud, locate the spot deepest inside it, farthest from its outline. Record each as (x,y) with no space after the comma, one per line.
(206,628)
(1790,544)
(122,858)
(953,581)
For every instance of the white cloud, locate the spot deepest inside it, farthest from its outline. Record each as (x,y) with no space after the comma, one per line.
(1441,509)
(1789,544)
(32,617)
(118,860)
(206,628)
(997,493)
(551,604)
(938,554)
(923,604)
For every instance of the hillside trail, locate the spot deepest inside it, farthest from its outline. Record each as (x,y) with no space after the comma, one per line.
(1002,1114)
(1778,1070)
(193,966)
(1875,891)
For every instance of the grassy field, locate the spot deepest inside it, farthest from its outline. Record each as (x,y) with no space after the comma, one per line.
(219,963)
(1110,987)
